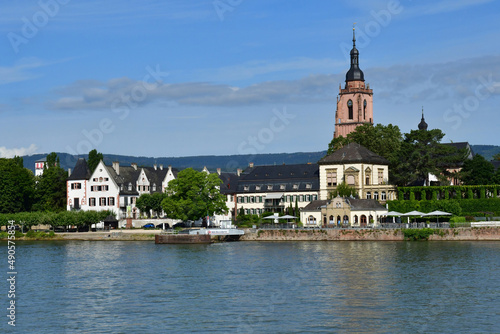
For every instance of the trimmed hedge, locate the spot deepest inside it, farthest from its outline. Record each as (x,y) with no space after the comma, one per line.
(63,218)
(463,207)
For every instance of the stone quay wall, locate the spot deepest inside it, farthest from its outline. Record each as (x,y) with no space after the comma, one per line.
(456,234)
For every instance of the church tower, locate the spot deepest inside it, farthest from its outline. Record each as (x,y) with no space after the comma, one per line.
(355,101)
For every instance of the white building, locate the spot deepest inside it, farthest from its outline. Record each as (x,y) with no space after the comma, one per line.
(114,188)
(358,167)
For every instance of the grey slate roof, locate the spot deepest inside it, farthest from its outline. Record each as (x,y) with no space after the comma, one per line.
(496,164)
(461,146)
(127,175)
(304,176)
(229,183)
(353,153)
(364,204)
(315,205)
(81,171)
(155,177)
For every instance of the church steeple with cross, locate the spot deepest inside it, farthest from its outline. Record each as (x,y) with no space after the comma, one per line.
(355,100)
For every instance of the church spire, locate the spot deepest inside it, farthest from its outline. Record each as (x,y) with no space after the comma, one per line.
(422,125)
(354,73)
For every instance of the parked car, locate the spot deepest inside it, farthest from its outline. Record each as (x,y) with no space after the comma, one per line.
(167,226)
(181,224)
(150,225)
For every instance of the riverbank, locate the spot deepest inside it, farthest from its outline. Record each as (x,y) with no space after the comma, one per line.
(455,234)
(452,234)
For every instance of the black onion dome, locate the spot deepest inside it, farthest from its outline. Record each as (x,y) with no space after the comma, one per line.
(354,73)
(423,125)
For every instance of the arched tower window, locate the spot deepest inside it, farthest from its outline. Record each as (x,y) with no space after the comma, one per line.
(351,112)
(364,109)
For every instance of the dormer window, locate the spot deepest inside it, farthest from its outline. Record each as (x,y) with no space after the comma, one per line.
(246,188)
(130,186)
(269,187)
(282,187)
(308,186)
(296,186)
(257,187)
(154,186)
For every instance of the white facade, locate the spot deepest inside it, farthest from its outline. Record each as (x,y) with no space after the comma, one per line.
(258,203)
(77,194)
(369,180)
(103,192)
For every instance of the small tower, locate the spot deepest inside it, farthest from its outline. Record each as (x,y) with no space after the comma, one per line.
(355,101)
(422,125)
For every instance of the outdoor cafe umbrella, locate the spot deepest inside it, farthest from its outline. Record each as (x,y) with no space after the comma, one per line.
(273,217)
(393,214)
(438,213)
(412,213)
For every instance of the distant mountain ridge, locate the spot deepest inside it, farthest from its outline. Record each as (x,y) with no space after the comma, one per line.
(226,162)
(212,162)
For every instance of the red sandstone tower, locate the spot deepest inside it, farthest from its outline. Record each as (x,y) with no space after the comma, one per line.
(355,101)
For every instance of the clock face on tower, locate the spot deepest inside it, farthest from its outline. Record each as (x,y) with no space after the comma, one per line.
(349,103)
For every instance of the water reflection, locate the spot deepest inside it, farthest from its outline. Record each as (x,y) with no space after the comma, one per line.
(111,287)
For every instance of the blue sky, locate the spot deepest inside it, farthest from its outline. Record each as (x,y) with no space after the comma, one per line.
(180,78)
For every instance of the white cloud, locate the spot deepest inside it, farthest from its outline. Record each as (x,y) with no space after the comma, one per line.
(21,71)
(12,152)
(398,83)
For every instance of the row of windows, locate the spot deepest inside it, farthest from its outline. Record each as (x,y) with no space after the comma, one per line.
(331,178)
(287,198)
(383,195)
(99,188)
(271,187)
(139,188)
(103,201)
(254,211)
(76,186)
(100,179)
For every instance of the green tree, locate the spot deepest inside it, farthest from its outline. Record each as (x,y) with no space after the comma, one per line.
(144,204)
(477,171)
(17,186)
(94,159)
(421,153)
(50,190)
(193,195)
(384,140)
(147,203)
(496,156)
(343,190)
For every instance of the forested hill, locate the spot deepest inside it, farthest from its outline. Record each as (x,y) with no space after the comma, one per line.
(225,162)
(212,162)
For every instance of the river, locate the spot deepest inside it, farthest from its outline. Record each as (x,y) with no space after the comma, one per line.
(254,287)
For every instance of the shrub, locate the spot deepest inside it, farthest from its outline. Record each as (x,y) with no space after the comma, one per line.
(418,234)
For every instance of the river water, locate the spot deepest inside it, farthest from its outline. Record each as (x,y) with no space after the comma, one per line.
(255,287)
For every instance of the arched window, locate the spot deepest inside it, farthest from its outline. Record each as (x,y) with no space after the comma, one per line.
(351,111)
(368,195)
(364,109)
(367,180)
(375,195)
(331,219)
